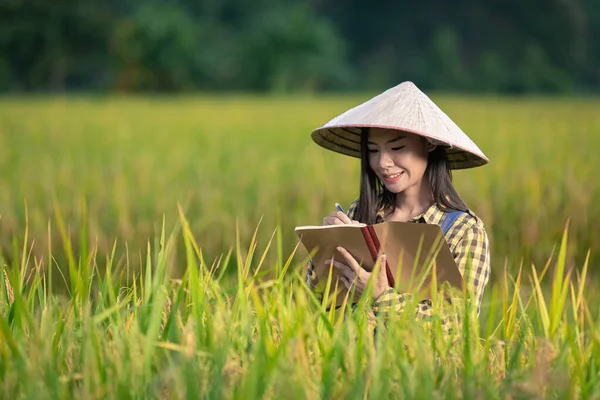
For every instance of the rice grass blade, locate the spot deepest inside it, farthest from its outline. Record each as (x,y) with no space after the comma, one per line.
(542,308)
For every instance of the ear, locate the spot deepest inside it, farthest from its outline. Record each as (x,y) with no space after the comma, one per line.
(431,147)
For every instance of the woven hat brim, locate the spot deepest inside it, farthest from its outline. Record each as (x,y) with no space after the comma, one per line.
(345,139)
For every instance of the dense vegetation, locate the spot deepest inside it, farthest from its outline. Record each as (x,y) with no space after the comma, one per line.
(127,232)
(281,45)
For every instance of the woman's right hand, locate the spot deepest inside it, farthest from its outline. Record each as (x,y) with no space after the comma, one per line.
(338,218)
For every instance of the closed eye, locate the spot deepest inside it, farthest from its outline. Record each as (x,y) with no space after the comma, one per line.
(373,150)
(397,148)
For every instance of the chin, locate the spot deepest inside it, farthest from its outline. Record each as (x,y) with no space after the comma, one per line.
(395,188)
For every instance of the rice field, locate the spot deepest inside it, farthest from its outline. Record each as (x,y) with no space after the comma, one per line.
(150,244)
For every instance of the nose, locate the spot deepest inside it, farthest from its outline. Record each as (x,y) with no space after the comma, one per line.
(385,161)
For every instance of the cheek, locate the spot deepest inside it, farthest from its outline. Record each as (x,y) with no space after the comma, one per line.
(373,161)
(414,164)
(418,168)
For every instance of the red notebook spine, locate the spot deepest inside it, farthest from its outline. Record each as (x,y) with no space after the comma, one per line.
(373,249)
(373,244)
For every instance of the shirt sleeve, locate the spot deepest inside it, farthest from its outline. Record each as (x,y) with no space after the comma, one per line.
(312,281)
(353,210)
(472,256)
(311,278)
(392,302)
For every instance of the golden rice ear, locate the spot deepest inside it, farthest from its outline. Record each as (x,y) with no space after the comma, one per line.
(9,289)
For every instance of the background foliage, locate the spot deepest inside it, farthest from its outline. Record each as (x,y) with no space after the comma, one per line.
(276,45)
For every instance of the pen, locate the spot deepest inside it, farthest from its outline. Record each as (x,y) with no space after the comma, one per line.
(339,207)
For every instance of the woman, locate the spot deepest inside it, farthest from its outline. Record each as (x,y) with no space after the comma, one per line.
(407,147)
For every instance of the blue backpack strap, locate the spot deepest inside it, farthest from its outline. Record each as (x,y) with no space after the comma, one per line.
(449,219)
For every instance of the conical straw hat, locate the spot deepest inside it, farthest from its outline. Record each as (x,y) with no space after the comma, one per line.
(405,108)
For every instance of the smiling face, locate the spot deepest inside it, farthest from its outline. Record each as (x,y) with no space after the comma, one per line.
(399,159)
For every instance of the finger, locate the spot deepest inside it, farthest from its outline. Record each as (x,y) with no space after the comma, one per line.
(355,222)
(351,262)
(346,282)
(330,220)
(343,217)
(382,260)
(342,268)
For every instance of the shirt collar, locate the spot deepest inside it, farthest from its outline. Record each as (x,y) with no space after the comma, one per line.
(433,215)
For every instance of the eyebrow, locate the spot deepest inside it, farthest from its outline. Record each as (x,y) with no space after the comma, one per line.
(391,141)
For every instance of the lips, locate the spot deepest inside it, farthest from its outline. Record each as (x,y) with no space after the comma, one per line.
(390,178)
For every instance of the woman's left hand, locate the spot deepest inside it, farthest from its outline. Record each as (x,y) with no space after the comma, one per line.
(352,274)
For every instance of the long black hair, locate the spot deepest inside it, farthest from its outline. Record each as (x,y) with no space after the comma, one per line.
(374,195)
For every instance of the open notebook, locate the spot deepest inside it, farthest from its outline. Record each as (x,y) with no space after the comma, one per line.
(415,254)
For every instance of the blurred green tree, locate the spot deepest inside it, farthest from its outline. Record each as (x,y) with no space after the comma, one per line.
(275,45)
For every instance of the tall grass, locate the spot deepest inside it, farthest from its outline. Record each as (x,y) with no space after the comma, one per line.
(265,336)
(114,167)
(149,244)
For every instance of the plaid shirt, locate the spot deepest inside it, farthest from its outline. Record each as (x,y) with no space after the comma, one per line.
(468,242)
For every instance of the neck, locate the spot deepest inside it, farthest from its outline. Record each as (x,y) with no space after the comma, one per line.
(415,200)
